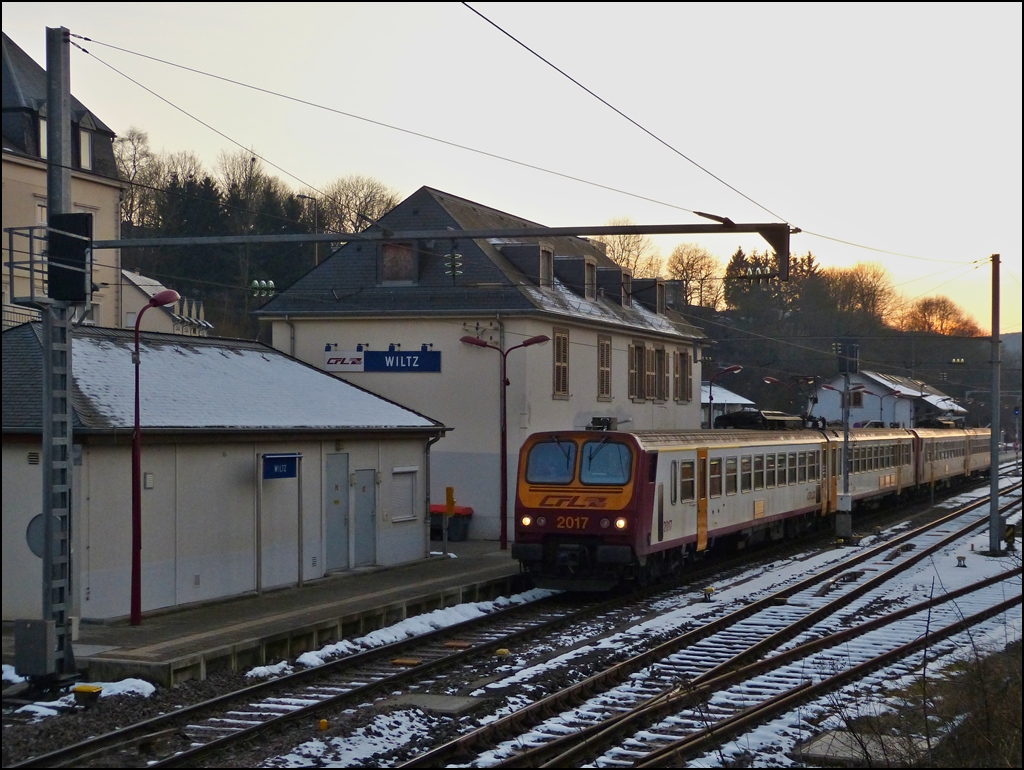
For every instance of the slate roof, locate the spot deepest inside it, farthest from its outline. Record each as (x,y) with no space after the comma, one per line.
(192,384)
(346,284)
(24,98)
(911,388)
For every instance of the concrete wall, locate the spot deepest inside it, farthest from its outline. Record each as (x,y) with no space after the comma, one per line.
(466,395)
(200,516)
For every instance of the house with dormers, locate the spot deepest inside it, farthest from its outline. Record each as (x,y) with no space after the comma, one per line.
(888,400)
(389,316)
(95,186)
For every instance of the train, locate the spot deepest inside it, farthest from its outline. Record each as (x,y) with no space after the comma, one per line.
(597,508)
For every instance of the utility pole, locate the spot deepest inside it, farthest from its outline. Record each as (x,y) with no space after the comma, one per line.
(994,522)
(44,650)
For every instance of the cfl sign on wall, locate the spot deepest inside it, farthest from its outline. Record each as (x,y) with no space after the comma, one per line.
(391,360)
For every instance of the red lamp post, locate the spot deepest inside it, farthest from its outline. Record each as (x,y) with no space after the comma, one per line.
(504,421)
(161,298)
(711,392)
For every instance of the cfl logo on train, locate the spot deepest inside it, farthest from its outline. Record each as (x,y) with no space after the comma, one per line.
(573,501)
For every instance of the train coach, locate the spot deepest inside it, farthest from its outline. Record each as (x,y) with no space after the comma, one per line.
(596,508)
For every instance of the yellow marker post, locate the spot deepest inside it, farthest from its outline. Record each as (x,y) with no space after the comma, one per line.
(449,511)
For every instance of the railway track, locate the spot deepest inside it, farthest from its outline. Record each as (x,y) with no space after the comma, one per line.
(196,733)
(704,654)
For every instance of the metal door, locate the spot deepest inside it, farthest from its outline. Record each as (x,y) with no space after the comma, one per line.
(366,518)
(702,499)
(336,512)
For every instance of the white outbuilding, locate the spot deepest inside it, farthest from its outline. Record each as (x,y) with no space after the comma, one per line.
(258,471)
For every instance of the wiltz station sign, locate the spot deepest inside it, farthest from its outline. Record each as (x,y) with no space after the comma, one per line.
(381,360)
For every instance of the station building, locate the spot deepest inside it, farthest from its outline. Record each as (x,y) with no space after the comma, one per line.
(390,316)
(258,472)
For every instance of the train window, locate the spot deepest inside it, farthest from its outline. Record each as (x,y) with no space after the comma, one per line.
(791,476)
(674,482)
(815,470)
(607,462)
(702,478)
(551,462)
(730,476)
(781,478)
(876,457)
(715,475)
(686,480)
(769,471)
(759,472)
(745,474)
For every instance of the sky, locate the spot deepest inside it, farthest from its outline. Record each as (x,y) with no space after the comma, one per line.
(895,127)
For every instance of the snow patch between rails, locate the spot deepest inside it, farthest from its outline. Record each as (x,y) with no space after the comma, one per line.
(410,627)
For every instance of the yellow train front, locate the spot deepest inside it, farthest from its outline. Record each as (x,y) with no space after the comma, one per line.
(577,495)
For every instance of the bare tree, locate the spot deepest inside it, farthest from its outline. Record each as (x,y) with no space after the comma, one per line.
(341,203)
(700,272)
(940,315)
(635,252)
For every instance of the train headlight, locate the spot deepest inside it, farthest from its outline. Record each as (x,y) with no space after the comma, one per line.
(605,523)
(620,523)
(541,521)
(526,521)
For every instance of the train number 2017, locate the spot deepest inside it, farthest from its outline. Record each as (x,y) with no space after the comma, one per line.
(572,522)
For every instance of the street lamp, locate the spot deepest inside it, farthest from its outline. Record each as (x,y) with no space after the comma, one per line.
(711,392)
(316,227)
(504,421)
(161,298)
(798,381)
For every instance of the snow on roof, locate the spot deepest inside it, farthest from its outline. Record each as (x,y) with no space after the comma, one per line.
(559,298)
(722,395)
(220,385)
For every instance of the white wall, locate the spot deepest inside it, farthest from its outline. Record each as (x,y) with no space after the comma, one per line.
(199,520)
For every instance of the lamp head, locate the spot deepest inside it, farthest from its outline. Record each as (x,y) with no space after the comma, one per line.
(540,338)
(474,341)
(165,297)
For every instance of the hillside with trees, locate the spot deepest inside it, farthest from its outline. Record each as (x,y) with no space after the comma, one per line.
(174,194)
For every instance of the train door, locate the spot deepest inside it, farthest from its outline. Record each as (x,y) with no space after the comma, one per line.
(833,475)
(661,510)
(702,499)
(824,488)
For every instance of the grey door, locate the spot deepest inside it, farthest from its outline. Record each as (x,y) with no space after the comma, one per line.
(336,507)
(366,518)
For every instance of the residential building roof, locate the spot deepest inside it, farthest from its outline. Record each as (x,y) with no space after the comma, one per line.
(191,384)
(184,311)
(24,100)
(487,280)
(911,388)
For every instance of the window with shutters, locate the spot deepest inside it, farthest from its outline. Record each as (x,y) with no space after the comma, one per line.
(604,368)
(637,371)
(661,374)
(682,377)
(650,374)
(560,386)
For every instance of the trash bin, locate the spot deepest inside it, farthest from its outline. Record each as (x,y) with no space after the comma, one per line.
(458,527)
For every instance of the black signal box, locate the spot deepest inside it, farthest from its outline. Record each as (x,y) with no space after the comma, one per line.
(68,277)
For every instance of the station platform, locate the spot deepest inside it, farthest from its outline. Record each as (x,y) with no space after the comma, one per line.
(171,646)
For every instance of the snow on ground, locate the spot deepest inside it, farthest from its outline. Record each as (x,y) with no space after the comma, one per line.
(10,676)
(44,709)
(414,626)
(386,733)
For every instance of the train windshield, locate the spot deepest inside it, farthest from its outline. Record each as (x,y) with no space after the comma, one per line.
(551,462)
(606,462)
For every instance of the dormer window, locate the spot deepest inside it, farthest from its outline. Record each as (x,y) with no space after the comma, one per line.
(590,283)
(547,268)
(42,138)
(85,146)
(660,298)
(627,289)
(398,263)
